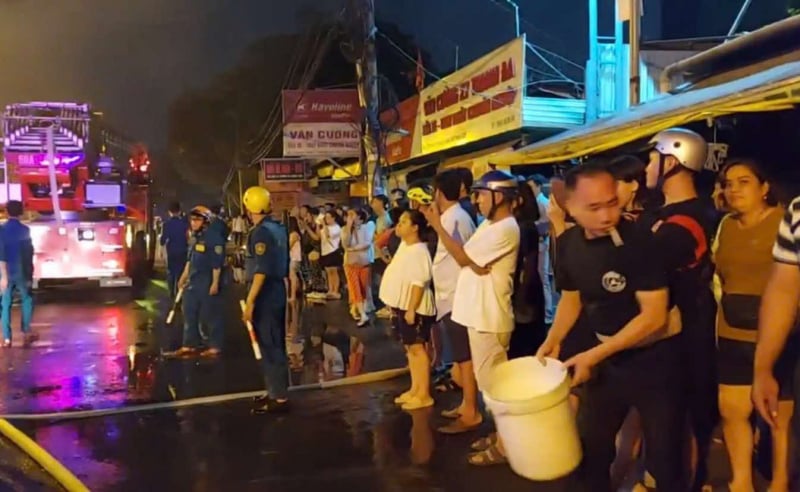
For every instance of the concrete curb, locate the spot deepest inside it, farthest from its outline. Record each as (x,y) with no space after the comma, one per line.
(371,377)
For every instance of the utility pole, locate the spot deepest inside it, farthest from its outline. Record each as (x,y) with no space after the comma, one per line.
(634,38)
(367,71)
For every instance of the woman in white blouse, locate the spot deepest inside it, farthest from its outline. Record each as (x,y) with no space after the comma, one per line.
(406,288)
(332,256)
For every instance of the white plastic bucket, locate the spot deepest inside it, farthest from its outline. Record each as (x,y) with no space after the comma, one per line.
(530,404)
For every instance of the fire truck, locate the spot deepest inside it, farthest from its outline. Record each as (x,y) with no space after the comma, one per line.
(85,190)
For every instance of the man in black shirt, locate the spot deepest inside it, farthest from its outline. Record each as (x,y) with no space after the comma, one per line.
(683,229)
(610,275)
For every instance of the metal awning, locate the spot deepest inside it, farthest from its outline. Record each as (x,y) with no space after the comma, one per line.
(771,90)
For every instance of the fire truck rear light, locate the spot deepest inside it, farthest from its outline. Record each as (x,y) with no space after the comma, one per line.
(62,231)
(85,235)
(113,230)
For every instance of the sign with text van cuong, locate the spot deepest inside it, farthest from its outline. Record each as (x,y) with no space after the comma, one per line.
(481,100)
(321,123)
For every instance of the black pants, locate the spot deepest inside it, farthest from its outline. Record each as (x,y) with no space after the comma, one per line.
(649,380)
(699,349)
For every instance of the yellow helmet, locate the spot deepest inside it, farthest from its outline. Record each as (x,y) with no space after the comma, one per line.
(202,212)
(422,194)
(257,200)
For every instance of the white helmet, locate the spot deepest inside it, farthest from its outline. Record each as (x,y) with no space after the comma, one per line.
(688,147)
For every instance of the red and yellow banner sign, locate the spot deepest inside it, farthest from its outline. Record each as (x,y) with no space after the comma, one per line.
(481,100)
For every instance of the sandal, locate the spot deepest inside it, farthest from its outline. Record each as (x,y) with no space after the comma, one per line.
(488,457)
(484,443)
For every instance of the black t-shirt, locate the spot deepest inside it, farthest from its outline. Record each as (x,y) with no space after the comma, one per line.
(609,276)
(683,237)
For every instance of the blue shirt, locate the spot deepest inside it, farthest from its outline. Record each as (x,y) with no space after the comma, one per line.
(175,237)
(268,254)
(17,249)
(206,254)
(220,228)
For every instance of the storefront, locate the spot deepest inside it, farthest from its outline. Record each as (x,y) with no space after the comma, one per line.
(775,89)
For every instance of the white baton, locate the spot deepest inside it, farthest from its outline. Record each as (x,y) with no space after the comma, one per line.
(174,306)
(252,333)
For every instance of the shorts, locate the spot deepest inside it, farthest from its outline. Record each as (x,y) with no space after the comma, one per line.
(419,332)
(458,337)
(332,260)
(735,361)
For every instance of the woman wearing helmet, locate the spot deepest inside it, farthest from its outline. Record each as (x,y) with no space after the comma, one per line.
(200,282)
(267,269)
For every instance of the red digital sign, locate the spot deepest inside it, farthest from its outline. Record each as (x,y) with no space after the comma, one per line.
(284,169)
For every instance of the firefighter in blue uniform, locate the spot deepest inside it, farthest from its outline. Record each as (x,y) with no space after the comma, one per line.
(175,240)
(267,267)
(201,283)
(18,256)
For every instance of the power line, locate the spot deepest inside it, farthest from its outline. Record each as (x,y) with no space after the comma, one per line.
(441,79)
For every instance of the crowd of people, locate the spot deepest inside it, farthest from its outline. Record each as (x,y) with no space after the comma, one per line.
(670,313)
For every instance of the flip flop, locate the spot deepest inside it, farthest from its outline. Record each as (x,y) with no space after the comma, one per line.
(488,457)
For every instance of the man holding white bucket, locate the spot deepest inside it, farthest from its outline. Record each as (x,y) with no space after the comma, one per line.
(482,300)
(609,274)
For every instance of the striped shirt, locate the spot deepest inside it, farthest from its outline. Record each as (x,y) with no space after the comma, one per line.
(787,245)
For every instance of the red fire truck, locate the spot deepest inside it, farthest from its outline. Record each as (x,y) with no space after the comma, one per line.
(97,223)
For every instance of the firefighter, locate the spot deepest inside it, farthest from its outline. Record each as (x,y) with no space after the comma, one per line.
(201,283)
(174,239)
(267,266)
(18,249)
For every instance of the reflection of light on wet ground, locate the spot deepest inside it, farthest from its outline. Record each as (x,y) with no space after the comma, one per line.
(104,356)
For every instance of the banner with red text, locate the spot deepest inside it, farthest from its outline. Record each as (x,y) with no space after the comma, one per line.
(480,100)
(321,123)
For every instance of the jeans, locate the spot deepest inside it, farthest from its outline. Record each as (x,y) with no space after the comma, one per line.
(649,380)
(269,323)
(544,268)
(22,287)
(199,306)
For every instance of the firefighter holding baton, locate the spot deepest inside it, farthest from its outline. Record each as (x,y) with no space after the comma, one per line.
(267,265)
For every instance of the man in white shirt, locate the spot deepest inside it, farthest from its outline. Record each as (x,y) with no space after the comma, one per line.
(537,182)
(482,300)
(458,225)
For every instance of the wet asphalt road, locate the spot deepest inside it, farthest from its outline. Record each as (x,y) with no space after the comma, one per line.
(102,349)
(349,439)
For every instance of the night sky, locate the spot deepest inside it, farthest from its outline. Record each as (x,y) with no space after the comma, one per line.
(132,59)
